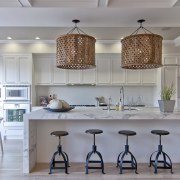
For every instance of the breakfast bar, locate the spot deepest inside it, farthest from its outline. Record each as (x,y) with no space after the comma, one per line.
(39,145)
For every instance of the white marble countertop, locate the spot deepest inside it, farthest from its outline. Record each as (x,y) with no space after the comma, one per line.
(95,113)
(40,123)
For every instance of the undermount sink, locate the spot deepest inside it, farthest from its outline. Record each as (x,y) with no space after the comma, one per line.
(125,109)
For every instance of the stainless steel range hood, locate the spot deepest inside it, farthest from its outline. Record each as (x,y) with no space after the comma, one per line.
(80,84)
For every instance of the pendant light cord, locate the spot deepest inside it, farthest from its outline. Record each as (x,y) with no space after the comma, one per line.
(141,27)
(76,28)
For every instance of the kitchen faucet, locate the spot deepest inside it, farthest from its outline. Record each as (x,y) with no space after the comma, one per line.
(122,97)
(109,104)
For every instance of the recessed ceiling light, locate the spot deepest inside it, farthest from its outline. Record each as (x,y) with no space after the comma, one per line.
(9,37)
(37,37)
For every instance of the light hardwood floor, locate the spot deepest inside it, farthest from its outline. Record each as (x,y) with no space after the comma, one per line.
(11,168)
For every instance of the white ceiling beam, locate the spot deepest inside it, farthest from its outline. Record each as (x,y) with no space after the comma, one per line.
(103,3)
(25,3)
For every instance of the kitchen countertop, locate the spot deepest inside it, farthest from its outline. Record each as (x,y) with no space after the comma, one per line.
(98,113)
(38,145)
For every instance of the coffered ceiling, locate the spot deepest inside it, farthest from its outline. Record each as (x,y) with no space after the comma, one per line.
(103,19)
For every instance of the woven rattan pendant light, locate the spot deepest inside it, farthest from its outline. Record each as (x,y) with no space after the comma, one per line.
(141,51)
(75,51)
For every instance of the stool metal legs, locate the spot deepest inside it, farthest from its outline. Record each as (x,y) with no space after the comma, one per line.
(155,163)
(65,160)
(88,161)
(121,161)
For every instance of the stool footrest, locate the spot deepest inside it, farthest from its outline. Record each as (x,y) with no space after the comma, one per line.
(128,167)
(91,167)
(58,162)
(95,161)
(58,167)
(168,166)
(128,162)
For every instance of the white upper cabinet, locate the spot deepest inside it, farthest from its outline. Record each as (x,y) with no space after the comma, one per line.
(43,69)
(17,69)
(74,76)
(117,73)
(59,75)
(133,76)
(149,76)
(88,76)
(25,69)
(103,63)
(108,71)
(1,69)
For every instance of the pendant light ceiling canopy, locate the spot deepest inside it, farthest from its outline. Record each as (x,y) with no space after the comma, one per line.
(75,51)
(142,51)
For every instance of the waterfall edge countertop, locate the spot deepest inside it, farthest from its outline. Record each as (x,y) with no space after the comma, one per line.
(38,145)
(98,113)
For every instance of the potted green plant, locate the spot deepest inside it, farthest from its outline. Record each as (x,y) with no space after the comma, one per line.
(166,104)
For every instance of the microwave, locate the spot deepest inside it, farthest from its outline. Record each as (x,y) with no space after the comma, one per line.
(16,93)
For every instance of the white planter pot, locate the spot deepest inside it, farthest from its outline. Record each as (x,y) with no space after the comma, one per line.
(166,105)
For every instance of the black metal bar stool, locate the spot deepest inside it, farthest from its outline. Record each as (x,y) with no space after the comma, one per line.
(121,156)
(155,163)
(94,151)
(59,151)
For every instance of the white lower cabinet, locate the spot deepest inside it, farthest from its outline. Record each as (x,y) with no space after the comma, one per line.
(15,131)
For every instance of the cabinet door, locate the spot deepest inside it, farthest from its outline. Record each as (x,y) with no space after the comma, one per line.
(118,73)
(10,64)
(88,76)
(43,69)
(170,76)
(74,76)
(25,69)
(133,76)
(103,68)
(59,75)
(1,70)
(149,76)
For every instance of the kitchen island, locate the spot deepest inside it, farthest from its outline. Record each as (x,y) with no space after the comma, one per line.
(39,145)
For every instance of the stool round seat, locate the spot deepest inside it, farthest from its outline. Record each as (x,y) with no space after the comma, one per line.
(127,132)
(94,131)
(59,133)
(160,132)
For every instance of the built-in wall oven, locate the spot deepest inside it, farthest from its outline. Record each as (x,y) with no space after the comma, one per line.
(16,102)
(13,113)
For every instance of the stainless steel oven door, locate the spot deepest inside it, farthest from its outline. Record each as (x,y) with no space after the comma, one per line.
(16,93)
(13,113)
